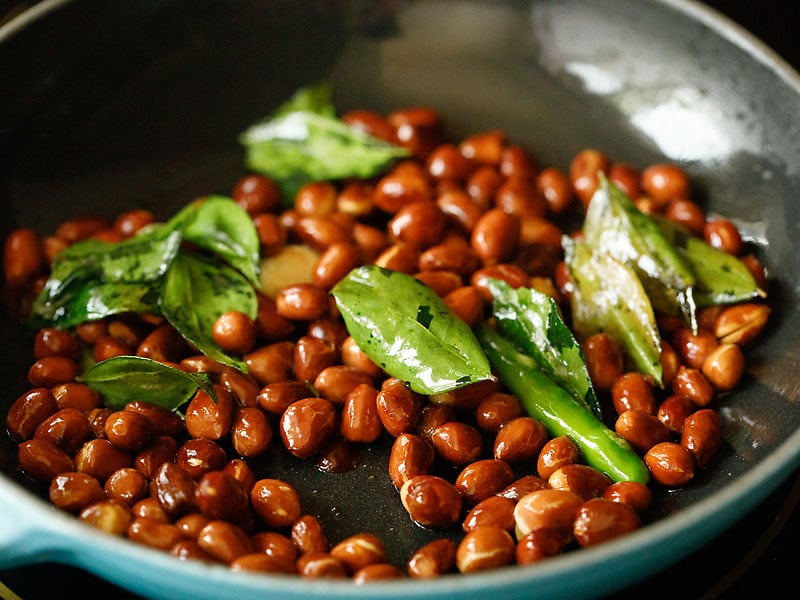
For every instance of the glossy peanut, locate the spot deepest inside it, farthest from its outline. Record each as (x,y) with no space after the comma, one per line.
(492,510)
(539,544)
(420,224)
(633,391)
(260,562)
(692,384)
(673,411)
(410,455)
(582,480)
(276,503)
(277,546)
(483,548)
(198,456)
(636,495)
(308,536)
(126,485)
(664,182)
(399,407)
(129,430)
(496,410)
(641,430)
(72,491)
(22,256)
(741,323)
(51,371)
(599,520)
(555,186)
(583,170)
(670,464)
(107,515)
(523,486)
(519,440)
(724,366)
(702,435)
(358,551)
(154,533)
(556,453)
(275,397)
(335,382)
(431,501)
(101,458)
(457,442)
(306,425)
(316,565)
(234,332)
(28,411)
(546,508)
(433,559)
(209,418)
(224,541)
(483,478)
(219,495)
(271,363)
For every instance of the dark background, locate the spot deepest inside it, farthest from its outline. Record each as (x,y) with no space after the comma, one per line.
(745,562)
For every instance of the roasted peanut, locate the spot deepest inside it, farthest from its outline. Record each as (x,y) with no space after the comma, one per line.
(483,548)
(599,520)
(483,478)
(670,464)
(702,435)
(546,508)
(431,501)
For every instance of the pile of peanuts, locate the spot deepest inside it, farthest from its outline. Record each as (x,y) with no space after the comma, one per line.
(470,460)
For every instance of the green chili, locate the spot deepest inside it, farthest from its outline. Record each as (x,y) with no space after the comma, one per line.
(559,412)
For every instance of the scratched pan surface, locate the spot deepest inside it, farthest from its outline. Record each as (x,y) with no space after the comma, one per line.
(115,105)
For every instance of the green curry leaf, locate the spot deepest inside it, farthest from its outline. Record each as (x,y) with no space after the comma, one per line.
(303,141)
(196,292)
(405,328)
(221,226)
(533,322)
(123,379)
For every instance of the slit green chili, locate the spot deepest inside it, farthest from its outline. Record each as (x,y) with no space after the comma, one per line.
(559,412)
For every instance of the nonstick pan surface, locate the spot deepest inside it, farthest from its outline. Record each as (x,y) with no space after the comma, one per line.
(116,105)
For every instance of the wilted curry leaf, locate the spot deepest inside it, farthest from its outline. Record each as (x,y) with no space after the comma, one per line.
(614,226)
(608,297)
(721,277)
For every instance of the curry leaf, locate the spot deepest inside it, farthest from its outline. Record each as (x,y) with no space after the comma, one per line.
(91,300)
(122,379)
(223,227)
(303,141)
(614,226)
(316,98)
(608,297)
(721,277)
(85,264)
(196,292)
(533,322)
(405,328)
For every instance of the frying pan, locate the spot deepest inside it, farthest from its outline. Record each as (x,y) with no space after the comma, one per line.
(109,106)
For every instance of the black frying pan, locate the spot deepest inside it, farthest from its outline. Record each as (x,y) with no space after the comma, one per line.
(114,105)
